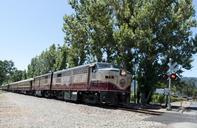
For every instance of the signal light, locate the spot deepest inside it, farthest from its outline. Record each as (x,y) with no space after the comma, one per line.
(173,76)
(165,76)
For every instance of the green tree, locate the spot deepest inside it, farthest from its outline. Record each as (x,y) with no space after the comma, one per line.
(6,70)
(52,59)
(2,72)
(149,31)
(33,69)
(62,57)
(17,75)
(24,75)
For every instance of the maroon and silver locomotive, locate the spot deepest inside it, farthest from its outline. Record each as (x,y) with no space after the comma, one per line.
(91,83)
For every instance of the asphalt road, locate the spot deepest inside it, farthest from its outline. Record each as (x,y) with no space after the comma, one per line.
(194,105)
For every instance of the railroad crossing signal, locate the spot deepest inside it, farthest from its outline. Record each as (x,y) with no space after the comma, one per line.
(173,68)
(171,75)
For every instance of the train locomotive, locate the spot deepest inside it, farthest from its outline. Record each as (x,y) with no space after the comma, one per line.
(92,83)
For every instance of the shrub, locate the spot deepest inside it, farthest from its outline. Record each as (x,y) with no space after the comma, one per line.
(157,98)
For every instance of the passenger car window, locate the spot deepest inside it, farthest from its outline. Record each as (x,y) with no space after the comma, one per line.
(46,79)
(59,75)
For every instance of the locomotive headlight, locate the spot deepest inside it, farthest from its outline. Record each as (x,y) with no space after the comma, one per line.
(123,72)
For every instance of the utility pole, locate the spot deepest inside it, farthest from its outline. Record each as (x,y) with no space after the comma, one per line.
(135,81)
(169,85)
(135,89)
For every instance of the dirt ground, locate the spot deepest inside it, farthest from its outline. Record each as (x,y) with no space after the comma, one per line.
(22,111)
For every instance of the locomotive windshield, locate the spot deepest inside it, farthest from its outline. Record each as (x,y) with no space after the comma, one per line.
(104,65)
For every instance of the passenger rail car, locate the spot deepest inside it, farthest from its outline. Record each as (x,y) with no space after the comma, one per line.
(91,83)
(4,87)
(24,86)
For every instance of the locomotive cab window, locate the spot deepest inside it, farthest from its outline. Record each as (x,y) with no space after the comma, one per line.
(94,68)
(104,65)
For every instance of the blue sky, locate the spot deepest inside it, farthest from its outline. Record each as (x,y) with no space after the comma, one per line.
(27,27)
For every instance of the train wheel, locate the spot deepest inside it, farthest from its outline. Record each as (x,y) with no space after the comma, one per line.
(90,98)
(46,94)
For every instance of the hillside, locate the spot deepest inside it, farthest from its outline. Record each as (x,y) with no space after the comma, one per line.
(190,80)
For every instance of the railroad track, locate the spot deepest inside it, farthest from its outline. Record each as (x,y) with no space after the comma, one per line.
(135,108)
(142,110)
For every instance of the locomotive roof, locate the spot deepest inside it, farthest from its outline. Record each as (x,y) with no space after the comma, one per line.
(43,75)
(67,69)
(27,80)
(81,66)
(4,85)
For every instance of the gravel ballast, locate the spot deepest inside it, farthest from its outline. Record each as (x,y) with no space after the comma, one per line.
(22,111)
